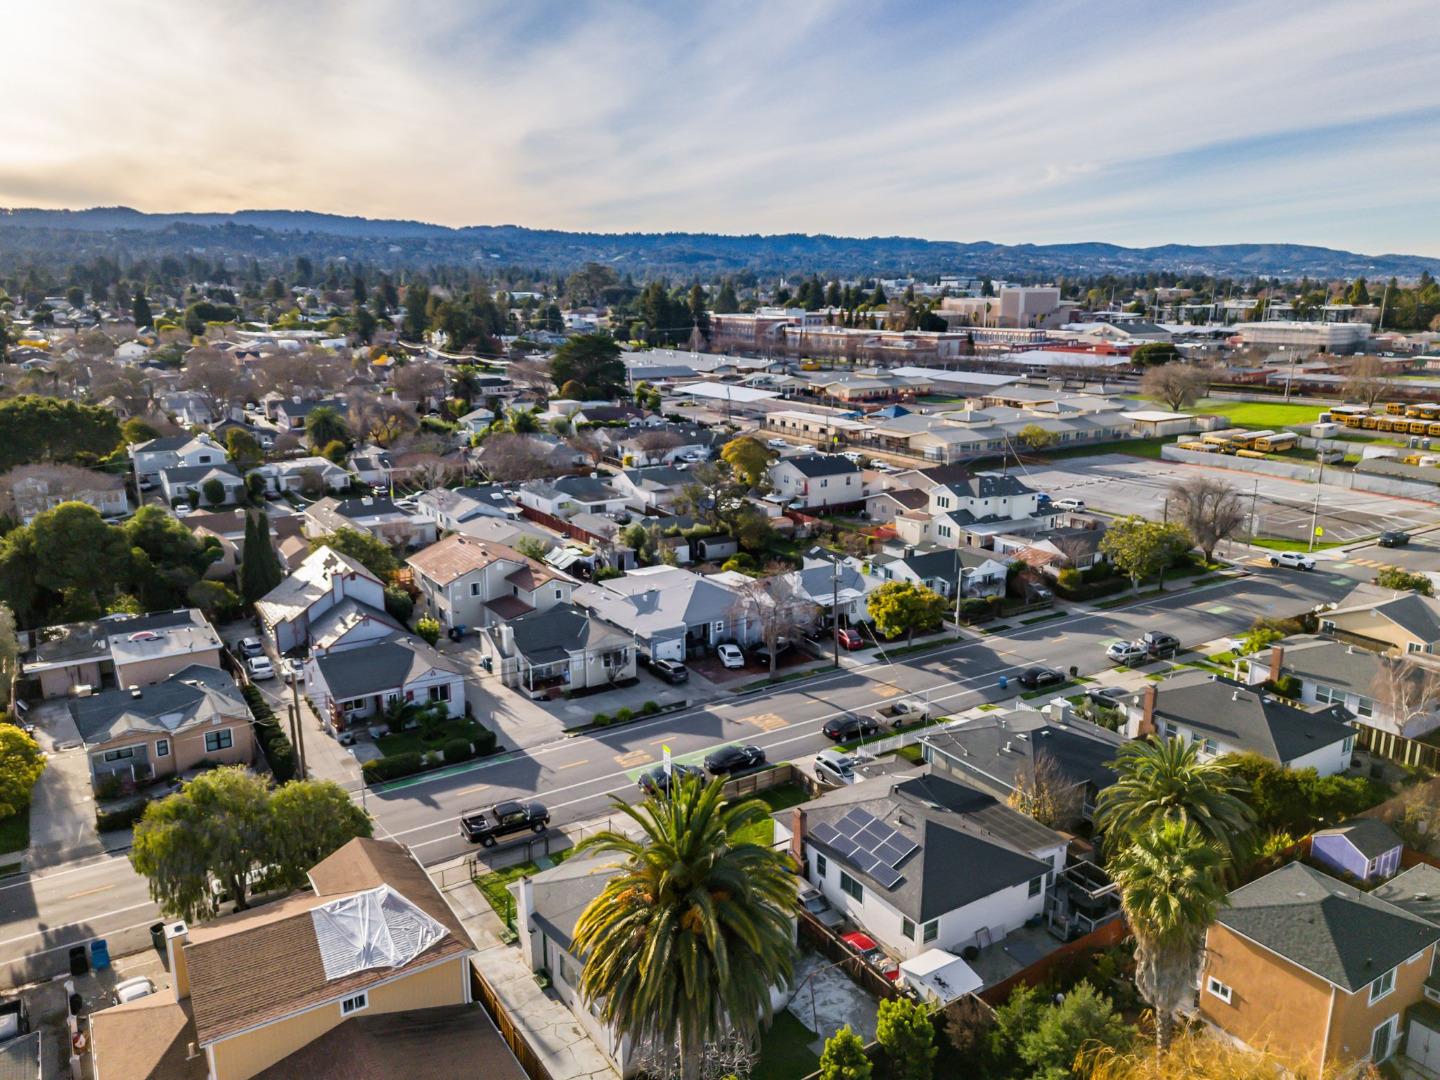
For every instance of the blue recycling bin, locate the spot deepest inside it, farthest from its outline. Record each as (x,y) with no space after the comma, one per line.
(1004,681)
(99,954)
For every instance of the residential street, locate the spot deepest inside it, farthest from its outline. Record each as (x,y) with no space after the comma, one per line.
(42,913)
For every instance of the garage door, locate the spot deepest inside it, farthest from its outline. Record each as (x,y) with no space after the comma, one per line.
(1422,1045)
(669,650)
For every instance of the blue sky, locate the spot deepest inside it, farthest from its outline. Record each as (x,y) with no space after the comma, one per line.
(1023,122)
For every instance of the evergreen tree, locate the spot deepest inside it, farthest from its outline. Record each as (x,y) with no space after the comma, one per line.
(261,570)
(726,302)
(878,297)
(698,315)
(140,311)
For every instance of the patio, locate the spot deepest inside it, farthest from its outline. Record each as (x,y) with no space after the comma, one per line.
(1017,951)
(826,999)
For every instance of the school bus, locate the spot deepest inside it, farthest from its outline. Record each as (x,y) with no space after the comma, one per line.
(1395,408)
(1280,440)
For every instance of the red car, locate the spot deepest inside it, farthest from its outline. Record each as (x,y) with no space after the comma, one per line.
(850,639)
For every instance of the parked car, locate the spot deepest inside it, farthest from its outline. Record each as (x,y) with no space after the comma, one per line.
(294,667)
(1159,644)
(131,990)
(1127,652)
(850,639)
(761,653)
(489,824)
(733,759)
(260,667)
(1036,677)
(813,901)
(657,781)
(834,768)
(853,456)
(184,508)
(1073,505)
(1293,559)
(672,671)
(731,656)
(251,646)
(1393,538)
(777,444)
(844,728)
(1107,697)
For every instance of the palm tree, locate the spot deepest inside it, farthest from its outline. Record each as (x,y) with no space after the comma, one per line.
(523,422)
(1165,780)
(1170,889)
(324,425)
(684,944)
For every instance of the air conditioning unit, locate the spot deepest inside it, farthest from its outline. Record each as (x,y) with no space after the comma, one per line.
(82,690)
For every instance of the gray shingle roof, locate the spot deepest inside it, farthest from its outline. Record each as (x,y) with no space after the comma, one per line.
(1345,936)
(1417,890)
(192,697)
(1005,748)
(815,465)
(553,634)
(1369,836)
(1244,717)
(373,669)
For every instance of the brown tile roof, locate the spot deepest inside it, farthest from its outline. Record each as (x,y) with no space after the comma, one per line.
(455,556)
(509,607)
(275,946)
(147,1039)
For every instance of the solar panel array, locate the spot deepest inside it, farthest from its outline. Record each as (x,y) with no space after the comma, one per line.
(868,844)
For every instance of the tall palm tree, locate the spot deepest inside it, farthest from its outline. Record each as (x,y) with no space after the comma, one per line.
(1165,780)
(523,421)
(1170,889)
(324,425)
(684,944)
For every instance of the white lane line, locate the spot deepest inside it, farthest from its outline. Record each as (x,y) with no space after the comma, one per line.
(36,878)
(78,941)
(80,922)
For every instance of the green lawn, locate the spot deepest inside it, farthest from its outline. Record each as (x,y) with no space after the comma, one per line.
(1258,415)
(15,832)
(492,886)
(414,741)
(1279,544)
(785,1052)
(784,797)
(1142,448)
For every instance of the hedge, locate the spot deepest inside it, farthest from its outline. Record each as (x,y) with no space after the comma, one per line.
(394,766)
(457,750)
(273,742)
(120,819)
(378,770)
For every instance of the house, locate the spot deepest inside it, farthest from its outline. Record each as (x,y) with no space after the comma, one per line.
(1383,621)
(653,487)
(838,586)
(347,686)
(1365,848)
(920,861)
(118,651)
(290,414)
(885,506)
(367,973)
(671,612)
(371,464)
(324,579)
(228,527)
(310,475)
(1314,970)
(565,496)
(376,515)
(175,451)
(817,481)
(134,736)
(1071,547)
(476,421)
(562,646)
(605,413)
(1000,751)
(663,445)
(452,507)
(187,483)
(28,490)
(978,572)
(1223,716)
(474,583)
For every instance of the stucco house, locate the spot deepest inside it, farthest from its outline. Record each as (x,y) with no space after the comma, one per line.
(670,612)
(325,579)
(561,646)
(186,483)
(175,451)
(376,515)
(971,571)
(817,481)
(566,496)
(117,651)
(27,490)
(1383,621)
(350,685)
(303,474)
(468,582)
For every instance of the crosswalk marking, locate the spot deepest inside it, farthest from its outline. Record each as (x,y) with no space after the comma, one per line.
(633,758)
(887,690)
(765,721)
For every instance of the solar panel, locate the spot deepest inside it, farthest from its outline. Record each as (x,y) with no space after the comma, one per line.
(865,862)
(824,832)
(896,849)
(887,877)
(844,846)
(873,835)
(853,822)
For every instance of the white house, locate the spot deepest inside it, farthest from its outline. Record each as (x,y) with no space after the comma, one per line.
(352,685)
(453,507)
(295,474)
(324,580)
(568,495)
(979,572)
(817,481)
(187,483)
(175,451)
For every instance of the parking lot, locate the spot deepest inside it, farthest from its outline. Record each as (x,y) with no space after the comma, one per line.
(1119,484)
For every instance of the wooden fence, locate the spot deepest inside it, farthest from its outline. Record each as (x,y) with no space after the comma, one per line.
(482,992)
(1412,753)
(832,948)
(560,525)
(1102,937)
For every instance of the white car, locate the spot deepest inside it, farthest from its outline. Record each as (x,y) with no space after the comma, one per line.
(834,768)
(1127,652)
(260,667)
(853,456)
(184,508)
(1073,505)
(731,656)
(132,990)
(294,667)
(777,444)
(1295,560)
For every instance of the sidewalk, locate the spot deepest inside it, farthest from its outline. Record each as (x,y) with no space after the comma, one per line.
(546,1023)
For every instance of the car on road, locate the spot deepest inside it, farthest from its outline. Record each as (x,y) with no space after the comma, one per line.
(1036,677)
(657,781)
(777,444)
(850,639)
(184,508)
(853,456)
(1073,505)
(260,667)
(1393,538)
(133,989)
(1107,697)
(844,728)
(733,759)
(250,646)
(731,656)
(672,671)
(489,824)
(1127,652)
(834,768)
(1294,560)
(1159,644)
(813,901)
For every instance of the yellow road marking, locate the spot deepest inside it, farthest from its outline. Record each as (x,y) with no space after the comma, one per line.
(887,690)
(633,758)
(89,892)
(765,721)
(573,764)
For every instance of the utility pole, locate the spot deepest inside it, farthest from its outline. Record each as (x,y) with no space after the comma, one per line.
(835,608)
(1254,498)
(1315,510)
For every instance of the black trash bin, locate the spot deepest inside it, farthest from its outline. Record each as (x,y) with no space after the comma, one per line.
(77,1004)
(157,937)
(79,960)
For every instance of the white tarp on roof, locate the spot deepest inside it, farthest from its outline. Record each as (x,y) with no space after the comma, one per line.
(940,975)
(377,928)
(726,392)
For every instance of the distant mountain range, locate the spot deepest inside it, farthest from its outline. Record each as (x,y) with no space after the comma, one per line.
(63,236)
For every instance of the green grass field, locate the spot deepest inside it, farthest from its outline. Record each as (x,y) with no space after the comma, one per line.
(785,1050)
(1258,415)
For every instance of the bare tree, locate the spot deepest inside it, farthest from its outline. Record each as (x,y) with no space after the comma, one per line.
(430,470)
(419,381)
(587,443)
(507,458)
(216,379)
(1211,509)
(131,387)
(380,419)
(655,443)
(1046,794)
(1407,690)
(776,609)
(1072,549)
(1178,386)
(1365,380)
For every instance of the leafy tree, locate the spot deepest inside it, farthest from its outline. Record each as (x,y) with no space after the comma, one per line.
(373,554)
(1035,437)
(1358,293)
(9,653)
(533,547)
(748,458)
(310,819)
(844,1057)
(260,567)
(65,564)
(325,425)
(1298,801)
(684,944)
(217,600)
(214,491)
(245,452)
(1259,636)
(1142,549)
(417,312)
(903,607)
(522,421)
(399,603)
(593,360)
(47,429)
(1154,354)
(1165,780)
(335,451)
(907,1035)
(21,763)
(140,311)
(1392,577)
(1047,1038)
(698,315)
(1170,890)
(1210,509)
(574,390)
(1178,386)
(136,430)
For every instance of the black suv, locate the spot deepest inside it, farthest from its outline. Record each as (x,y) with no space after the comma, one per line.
(842,728)
(672,671)
(488,824)
(657,782)
(1036,677)
(1393,538)
(733,759)
(1160,644)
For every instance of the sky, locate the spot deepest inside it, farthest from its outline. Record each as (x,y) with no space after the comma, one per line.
(1016,122)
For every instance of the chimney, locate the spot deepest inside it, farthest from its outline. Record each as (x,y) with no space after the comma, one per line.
(1277,661)
(177,936)
(507,639)
(524,891)
(797,835)
(1147,716)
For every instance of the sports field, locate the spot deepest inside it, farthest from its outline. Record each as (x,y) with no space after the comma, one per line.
(1258,415)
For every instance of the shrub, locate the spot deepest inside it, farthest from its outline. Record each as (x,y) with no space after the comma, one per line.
(741,562)
(392,767)
(650,708)
(1287,686)
(399,603)
(429,629)
(273,742)
(108,788)
(1068,579)
(457,750)
(600,719)
(484,742)
(623,715)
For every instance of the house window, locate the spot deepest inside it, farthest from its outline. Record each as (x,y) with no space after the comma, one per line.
(218,740)
(1219,989)
(1036,884)
(440,693)
(559,594)
(943,501)
(908,929)
(353,705)
(850,887)
(120,755)
(1382,1042)
(1413,646)
(1383,986)
(824,482)
(930,931)
(359,1003)
(1348,745)
(1364,707)
(475,588)
(162,747)
(821,866)
(1210,746)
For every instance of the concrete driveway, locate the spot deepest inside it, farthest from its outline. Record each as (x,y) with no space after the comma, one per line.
(62,807)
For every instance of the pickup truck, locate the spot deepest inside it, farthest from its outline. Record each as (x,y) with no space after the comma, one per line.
(900,714)
(489,824)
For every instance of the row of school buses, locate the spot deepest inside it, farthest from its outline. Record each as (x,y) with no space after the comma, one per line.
(1419,418)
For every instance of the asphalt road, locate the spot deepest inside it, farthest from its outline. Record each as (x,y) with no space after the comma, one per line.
(1422,553)
(42,914)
